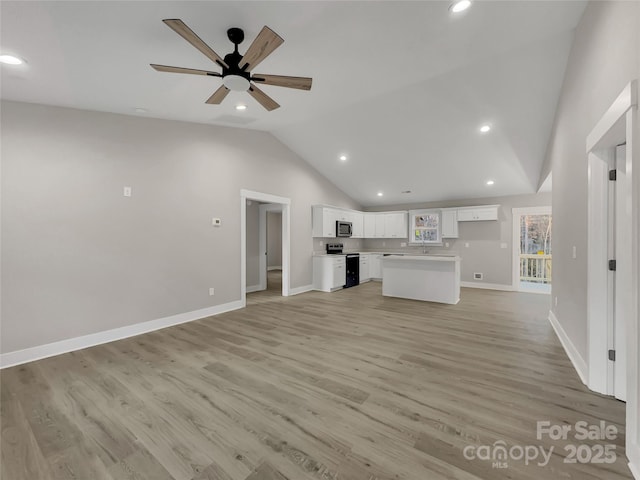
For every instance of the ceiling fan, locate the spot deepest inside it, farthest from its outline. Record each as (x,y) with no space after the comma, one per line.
(236,68)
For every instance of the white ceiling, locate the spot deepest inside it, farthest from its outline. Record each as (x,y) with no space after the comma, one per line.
(400,87)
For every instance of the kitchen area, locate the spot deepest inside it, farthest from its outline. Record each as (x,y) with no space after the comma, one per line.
(412,271)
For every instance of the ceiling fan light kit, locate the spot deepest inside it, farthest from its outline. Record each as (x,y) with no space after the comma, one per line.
(236,68)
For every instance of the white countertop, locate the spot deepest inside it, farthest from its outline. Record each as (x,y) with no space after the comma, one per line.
(396,255)
(423,258)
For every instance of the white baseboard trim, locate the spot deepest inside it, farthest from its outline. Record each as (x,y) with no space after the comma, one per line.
(274,268)
(572,352)
(254,288)
(633,454)
(487,286)
(31,354)
(635,470)
(299,290)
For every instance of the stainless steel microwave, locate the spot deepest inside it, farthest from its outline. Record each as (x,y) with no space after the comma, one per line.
(343,229)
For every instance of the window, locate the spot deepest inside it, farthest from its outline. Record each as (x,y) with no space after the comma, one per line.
(425,227)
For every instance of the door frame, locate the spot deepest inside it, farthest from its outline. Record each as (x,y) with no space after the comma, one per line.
(262,221)
(618,124)
(285,204)
(515,241)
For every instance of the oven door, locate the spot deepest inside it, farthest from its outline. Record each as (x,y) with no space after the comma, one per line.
(343,229)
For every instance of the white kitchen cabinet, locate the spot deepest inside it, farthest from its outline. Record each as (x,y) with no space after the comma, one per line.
(449,223)
(475,214)
(369,225)
(364,268)
(364,224)
(375,266)
(357,220)
(323,221)
(395,225)
(329,272)
(380,225)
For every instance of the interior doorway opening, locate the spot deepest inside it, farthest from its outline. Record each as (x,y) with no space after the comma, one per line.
(254,207)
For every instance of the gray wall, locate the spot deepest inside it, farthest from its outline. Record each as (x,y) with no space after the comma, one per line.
(274,239)
(605,57)
(484,253)
(78,258)
(253,243)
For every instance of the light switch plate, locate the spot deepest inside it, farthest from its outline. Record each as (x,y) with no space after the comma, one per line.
(216,222)
(126,191)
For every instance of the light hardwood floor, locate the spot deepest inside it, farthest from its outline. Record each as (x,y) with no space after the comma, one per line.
(347,385)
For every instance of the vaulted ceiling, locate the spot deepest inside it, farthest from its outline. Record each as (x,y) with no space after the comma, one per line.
(400,88)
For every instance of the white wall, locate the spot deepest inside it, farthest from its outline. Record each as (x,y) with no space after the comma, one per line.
(274,239)
(253,243)
(78,258)
(604,58)
(485,253)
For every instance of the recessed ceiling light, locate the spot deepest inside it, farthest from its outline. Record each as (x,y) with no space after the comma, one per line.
(490,182)
(460,5)
(11,60)
(241,107)
(343,157)
(485,128)
(380,194)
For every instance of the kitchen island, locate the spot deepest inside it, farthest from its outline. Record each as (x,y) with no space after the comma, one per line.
(431,278)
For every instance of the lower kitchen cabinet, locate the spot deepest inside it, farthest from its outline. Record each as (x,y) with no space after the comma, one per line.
(329,272)
(375,266)
(364,268)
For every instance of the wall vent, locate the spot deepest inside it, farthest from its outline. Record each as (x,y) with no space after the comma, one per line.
(477,276)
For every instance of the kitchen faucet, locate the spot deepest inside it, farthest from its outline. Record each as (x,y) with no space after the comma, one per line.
(424,246)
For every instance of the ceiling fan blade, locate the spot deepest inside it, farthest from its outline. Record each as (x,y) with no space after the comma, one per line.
(193,71)
(185,32)
(218,96)
(263,99)
(302,83)
(265,43)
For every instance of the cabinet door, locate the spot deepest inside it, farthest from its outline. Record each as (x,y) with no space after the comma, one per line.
(339,272)
(450,223)
(357,219)
(369,225)
(380,225)
(329,217)
(395,225)
(375,266)
(364,267)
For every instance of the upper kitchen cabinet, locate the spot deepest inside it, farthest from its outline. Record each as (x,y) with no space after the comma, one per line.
(369,225)
(449,223)
(395,225)
(364,224)
(475,214)
(357,220)
(324,221)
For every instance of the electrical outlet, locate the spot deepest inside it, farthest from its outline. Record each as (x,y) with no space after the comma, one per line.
(574,253)
(216,222)
(556,301)
(126,191)
(446,244)
(466,245)
(403,244)
(212,291)
(504,245)
(478,276)
(384,244)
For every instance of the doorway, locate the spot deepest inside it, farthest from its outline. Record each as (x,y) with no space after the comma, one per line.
(612,234)
(532,250)
(256,205)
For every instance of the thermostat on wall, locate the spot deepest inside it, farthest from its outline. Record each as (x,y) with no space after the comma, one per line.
(216,222)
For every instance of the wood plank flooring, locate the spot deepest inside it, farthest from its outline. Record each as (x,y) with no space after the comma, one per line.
(348,385)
